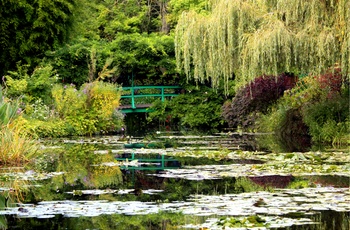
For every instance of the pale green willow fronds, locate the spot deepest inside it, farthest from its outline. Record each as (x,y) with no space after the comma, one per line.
(247,38)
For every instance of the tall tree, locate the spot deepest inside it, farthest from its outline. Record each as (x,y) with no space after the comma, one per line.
(29,28)
(132,16)
(248,38)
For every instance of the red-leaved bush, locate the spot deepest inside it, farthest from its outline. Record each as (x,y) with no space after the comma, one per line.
(255,97)
(331,82)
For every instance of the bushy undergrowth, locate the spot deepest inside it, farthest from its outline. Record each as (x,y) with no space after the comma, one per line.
(196,110)
(328,120)
(85,111)
(254,98)
(30,87)
(315,111)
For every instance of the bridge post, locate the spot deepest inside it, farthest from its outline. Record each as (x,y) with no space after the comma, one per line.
(163,98)
(132,98)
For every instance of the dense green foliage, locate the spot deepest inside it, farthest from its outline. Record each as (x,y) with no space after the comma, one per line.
(62,63)
(31,87)
(199,109)
(149,58)
(47,46)
(29,28)
(315,109)
(89,110)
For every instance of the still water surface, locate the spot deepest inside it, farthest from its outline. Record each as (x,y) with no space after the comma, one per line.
(179,182)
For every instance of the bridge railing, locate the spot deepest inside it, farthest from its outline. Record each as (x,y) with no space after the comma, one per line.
(138,92)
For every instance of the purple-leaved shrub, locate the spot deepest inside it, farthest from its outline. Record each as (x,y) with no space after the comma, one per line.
(256,97)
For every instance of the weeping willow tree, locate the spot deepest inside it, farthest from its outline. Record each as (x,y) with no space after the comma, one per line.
(248,38)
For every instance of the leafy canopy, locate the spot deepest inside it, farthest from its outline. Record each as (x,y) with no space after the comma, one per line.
(248,38)
(29,28)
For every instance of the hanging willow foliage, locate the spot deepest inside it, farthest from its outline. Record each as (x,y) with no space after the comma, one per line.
(248,38)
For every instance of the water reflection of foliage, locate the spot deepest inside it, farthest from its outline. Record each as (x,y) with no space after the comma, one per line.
(3,221)
(181,189)
(176,189)
(81,169)
(162,220)
(12,190)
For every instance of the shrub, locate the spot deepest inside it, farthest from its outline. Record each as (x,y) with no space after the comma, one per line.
(32,86)
(315,111)
(48,128)
(198,110)
(68,101)
(331,83)
(328,119)
(38,110)
(87,111)
(256,97)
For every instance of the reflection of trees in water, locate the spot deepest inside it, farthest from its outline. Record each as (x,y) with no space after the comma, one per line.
(329,220)
(104,222)
(293,135)
(81,170)
(12,189)
(330,180)
(275,181)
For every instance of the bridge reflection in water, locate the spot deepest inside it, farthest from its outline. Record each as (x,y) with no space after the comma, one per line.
(148,161)
(154,163)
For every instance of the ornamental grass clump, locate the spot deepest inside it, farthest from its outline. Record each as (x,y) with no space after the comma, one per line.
(15,148)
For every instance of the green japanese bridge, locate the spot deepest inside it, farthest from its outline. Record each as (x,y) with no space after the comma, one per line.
(141,97)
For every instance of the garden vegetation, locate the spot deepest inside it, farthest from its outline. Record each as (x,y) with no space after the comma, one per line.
(241,64)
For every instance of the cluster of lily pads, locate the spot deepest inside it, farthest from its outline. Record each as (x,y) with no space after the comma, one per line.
(253,210)
(206,172)
(270,207)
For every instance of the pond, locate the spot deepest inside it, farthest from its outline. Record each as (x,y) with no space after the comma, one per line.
(177,182)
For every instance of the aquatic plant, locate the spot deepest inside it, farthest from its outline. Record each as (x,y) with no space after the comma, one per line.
(15,149)
(250,221)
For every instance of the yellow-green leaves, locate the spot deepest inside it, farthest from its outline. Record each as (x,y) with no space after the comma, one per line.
(253,37)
